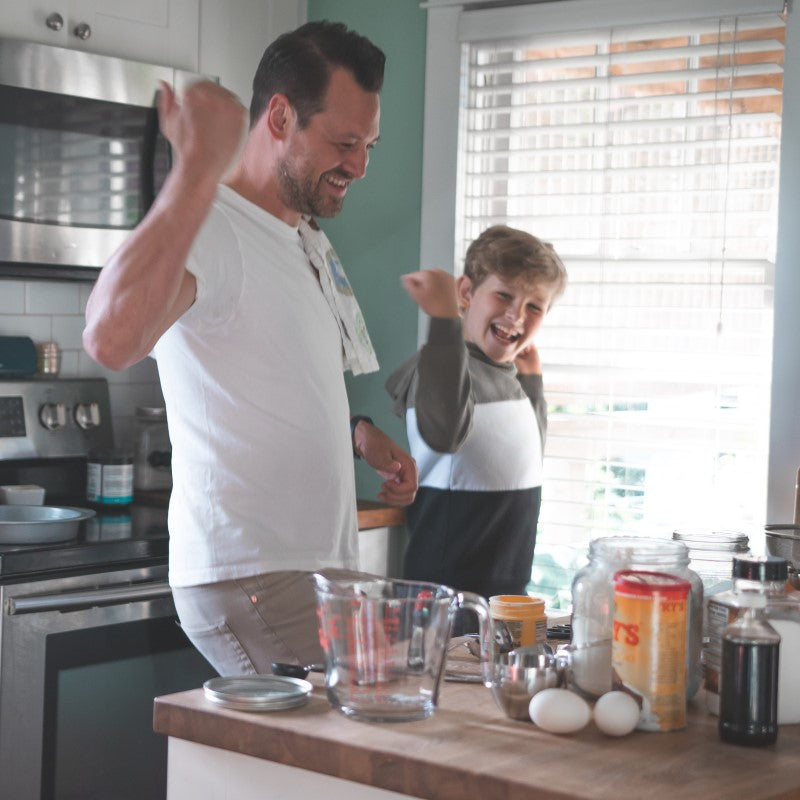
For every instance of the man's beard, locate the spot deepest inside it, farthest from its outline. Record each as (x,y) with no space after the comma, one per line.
(306,197)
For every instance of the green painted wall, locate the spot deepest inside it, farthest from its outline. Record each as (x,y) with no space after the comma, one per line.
(377,233)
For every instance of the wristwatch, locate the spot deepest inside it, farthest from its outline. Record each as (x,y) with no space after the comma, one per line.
(353,422)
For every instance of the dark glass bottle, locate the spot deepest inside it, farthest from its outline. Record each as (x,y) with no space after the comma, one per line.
(748,706)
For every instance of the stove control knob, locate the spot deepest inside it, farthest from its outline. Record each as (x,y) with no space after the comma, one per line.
(87,415)
(53,415)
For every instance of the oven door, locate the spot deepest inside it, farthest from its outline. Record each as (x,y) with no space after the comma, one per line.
(81,659)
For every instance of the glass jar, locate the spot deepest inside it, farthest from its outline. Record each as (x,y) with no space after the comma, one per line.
(711,555)
(593,606)
(153,467)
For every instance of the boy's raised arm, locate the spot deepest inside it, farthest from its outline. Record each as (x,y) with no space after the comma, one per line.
(444,402)
(145,286)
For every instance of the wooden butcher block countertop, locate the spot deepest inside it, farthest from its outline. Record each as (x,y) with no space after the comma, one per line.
(470,749)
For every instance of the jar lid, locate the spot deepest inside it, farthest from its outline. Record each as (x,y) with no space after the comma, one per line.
(697,539)
(760,568)
(258,692)
(516,599)
(151,413)
(646,583)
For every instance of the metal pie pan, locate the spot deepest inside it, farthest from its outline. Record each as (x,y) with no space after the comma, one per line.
(258,692)
(40,524)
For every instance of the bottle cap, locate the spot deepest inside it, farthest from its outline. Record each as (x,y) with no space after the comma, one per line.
(760,568)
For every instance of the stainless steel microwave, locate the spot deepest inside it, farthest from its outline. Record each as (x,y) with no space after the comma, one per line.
(81,156)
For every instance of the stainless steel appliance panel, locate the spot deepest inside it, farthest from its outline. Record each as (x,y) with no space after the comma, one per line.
(79,170)
(51,630)
(54,418)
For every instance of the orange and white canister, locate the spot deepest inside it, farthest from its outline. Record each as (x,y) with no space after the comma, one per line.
(649,645)
(523,616)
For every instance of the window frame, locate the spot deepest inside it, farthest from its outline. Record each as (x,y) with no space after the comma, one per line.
(450,23)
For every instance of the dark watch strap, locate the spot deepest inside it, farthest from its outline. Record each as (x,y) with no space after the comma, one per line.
(353,422)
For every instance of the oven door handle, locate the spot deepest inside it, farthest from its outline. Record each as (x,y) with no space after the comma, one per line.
(98,597)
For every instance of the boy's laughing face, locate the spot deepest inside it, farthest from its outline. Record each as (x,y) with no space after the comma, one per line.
(502,317)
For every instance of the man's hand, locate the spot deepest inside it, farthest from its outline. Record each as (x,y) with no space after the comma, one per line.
(205,124)
(390,461)
(527,361)
(145,286)
(434,291)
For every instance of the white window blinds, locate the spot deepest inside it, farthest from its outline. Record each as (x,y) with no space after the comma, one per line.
(648,155)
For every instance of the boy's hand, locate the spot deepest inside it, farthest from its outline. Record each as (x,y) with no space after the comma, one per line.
(390,461)
(527,361)
(434,291)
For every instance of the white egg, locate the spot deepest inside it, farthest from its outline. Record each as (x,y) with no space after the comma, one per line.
(559,711)
(616,713)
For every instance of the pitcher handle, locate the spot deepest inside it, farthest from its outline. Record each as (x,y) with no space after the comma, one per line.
(477,604)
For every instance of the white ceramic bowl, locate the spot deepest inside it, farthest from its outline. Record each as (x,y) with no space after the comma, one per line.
(22,495)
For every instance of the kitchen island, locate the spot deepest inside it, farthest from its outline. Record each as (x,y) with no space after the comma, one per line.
(467,749)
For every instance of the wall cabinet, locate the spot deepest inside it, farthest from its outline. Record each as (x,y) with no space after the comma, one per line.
(235,33)
(156,31)
(222,38)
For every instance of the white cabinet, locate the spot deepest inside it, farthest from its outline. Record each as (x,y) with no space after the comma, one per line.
(223,38)
(156,31)
(235,33)
(381,550)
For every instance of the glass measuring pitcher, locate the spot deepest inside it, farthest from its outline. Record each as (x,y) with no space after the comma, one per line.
(385,644)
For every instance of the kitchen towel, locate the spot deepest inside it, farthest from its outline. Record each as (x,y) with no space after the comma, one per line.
(359,355)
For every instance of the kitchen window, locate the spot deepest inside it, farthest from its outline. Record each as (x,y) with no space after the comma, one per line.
(648,152)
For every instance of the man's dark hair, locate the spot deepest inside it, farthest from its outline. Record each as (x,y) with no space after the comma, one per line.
(299,64)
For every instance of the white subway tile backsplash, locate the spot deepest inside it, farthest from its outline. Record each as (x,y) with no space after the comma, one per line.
(45,297)
(85,291)
(12,297)
(38,327)
(53,311)
(68,330)
(69,364)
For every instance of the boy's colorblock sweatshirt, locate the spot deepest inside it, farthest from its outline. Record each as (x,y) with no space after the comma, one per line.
(476,429)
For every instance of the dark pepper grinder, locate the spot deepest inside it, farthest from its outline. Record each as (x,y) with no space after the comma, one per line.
(748,700)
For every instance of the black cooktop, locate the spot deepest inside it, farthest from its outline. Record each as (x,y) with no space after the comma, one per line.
(116,538)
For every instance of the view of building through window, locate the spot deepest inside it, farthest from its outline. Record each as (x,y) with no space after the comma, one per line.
(649,157)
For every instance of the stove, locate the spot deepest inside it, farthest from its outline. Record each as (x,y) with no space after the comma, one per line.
(47,429)
(89,634)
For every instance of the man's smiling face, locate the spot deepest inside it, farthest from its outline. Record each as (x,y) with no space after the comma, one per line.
(332,151)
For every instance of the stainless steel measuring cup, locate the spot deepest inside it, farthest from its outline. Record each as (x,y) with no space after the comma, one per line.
(524,672)
(385,644)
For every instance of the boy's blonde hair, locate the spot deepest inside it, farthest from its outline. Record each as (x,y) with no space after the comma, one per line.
(514,255)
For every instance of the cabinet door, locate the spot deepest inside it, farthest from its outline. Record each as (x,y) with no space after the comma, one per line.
(28,20)
(234,34)
(155,31)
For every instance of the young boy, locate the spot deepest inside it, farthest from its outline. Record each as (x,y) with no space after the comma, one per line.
(476,415)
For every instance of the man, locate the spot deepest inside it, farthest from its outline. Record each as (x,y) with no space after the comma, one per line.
(251,318)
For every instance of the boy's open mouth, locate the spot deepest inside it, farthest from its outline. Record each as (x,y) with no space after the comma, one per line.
(505,334)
